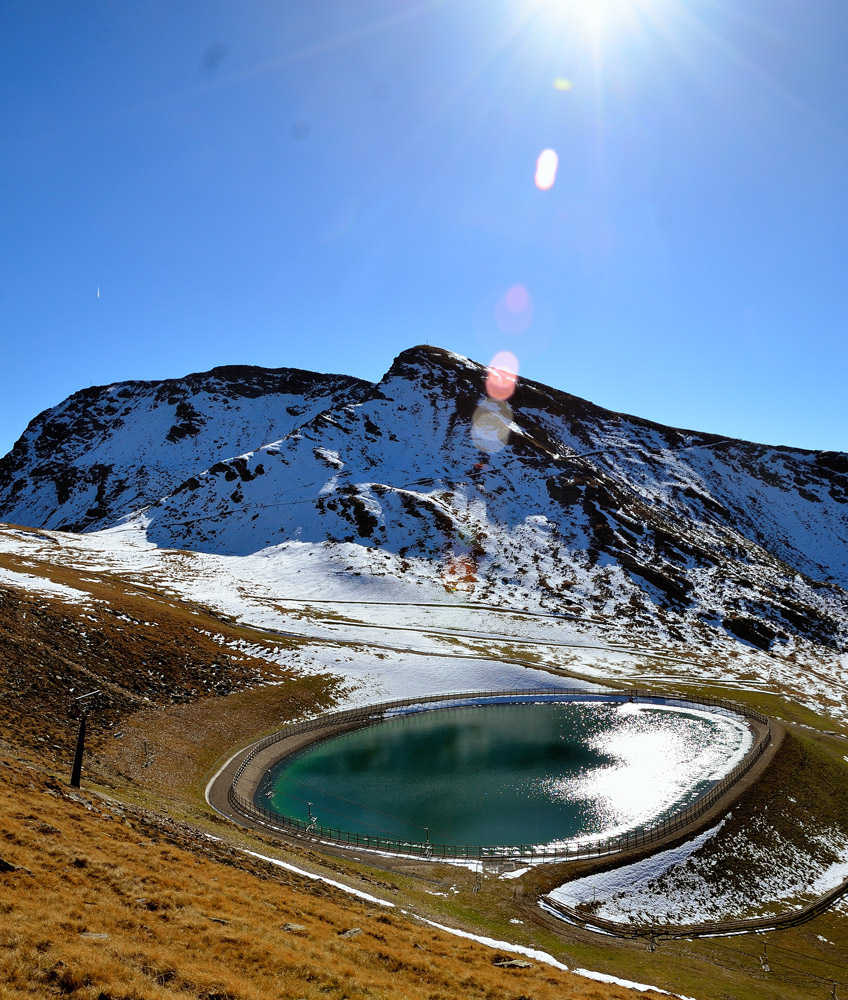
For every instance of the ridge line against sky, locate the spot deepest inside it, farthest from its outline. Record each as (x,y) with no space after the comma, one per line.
(641,200)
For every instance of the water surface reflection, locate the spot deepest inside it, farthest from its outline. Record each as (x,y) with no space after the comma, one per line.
(510,774)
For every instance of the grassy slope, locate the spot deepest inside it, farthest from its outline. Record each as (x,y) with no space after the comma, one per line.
(144,651)
(168,746)
(106,903)
(185,915)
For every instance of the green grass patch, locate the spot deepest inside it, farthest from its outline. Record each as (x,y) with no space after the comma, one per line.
(775,705)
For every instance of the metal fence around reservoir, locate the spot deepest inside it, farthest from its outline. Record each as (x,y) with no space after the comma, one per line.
(585,848)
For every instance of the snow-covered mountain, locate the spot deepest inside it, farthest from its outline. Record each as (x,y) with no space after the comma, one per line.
(543,494)
(108,450)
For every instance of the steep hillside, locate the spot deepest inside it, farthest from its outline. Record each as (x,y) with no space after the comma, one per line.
(109,450)
(686,534)
(64,633)
(133,888)
(103,901)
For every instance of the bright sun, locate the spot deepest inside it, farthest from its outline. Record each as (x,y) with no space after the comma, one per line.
(601,15)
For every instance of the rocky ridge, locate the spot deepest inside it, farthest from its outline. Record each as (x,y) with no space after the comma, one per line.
(703,538)
(107,450)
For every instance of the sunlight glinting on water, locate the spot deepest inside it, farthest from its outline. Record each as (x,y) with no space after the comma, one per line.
(658,754)
(543,774)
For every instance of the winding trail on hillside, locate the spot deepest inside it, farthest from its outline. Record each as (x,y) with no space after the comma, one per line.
(447,632)
(481,606)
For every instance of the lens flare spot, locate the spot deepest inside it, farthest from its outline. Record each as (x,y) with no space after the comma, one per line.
(517,298)
(503,372)
(546,169)
(491,426)
(562,83)
(514,310)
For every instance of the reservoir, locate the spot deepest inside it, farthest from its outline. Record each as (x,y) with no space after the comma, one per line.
(509,774)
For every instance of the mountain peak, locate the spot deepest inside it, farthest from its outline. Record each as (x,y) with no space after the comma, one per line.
(580,506)
(108,450)
(425,357)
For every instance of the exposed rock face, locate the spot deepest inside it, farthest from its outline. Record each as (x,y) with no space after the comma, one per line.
(109,450)
(591,509)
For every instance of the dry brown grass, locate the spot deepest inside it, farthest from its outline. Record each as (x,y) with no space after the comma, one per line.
(144,651)
(103,904)
(170,752)
(189,917)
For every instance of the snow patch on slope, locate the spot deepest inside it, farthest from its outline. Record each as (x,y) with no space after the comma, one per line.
(43,587)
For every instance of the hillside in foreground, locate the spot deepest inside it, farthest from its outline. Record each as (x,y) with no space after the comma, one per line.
(100,900)
(130,888)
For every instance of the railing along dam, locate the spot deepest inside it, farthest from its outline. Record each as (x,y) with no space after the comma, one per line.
(246,780)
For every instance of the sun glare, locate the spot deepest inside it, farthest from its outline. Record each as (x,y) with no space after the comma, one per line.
(598,16)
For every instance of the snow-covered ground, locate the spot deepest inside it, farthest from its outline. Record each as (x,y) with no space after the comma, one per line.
(306,589)
(316,488)
(43,587)
(680,885)
(310,590)
(623,893)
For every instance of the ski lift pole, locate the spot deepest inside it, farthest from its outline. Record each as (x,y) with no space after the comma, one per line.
(79,708)
(312,818)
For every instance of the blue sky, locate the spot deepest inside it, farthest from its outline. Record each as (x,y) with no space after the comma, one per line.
(324,184)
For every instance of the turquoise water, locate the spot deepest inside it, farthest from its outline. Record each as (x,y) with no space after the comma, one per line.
(508,774)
